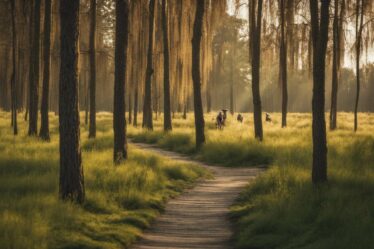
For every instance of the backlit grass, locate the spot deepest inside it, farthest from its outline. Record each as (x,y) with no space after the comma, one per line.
(281,208)
(121,201)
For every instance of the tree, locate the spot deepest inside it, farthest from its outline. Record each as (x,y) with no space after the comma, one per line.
(167,111)
(92,128)
(34,71)
(44,129)
(283,63)
(14,72)
(320,28)
(147,105)
(71,170)
(359,27)
(256,50)
(336,63)
(119,119)
(196,44)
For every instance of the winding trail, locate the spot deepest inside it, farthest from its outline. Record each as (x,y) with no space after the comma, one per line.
(198,218)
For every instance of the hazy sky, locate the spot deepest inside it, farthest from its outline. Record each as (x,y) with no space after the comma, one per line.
(349,60)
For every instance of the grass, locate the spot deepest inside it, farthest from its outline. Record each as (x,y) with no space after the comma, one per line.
(121,201)
(281,208)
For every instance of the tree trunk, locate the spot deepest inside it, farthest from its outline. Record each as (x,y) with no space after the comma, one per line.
(147,108)
(130,106)
(167,112)
(34,83)
(71,170)
(320,37)
(196,46)
(136,100)
(14,73)
(290,33)
(359,27)
(232,81)
(256,48)
(31,65)
(44,129)
(335,68)
(92,128)
(86,100)
(283,64)
(119,118)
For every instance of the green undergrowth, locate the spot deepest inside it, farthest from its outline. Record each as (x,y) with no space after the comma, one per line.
(281,209)
(120,201)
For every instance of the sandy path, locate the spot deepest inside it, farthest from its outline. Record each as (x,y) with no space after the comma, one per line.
(199,217)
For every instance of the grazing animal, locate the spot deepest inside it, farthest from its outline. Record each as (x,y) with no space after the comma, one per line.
(220,121)
(268,117)
(240,118)
(224,116)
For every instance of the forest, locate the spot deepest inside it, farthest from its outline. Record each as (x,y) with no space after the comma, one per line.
(166,124)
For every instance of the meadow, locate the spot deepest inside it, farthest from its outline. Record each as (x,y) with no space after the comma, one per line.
(120,201)
(281,208)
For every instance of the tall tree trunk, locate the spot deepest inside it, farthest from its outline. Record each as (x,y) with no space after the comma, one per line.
(335,67)
(196,46)
(34,83)
(92,128)
(283,64)
(31,65)
(71,170)
(167,112)
(130,106)
(147,108)
(14,73)
(256,49)
(119,118)
(232,81)
(136,103)
(359,27)
(44,129)
(320,37)
(86,100)
(290,33)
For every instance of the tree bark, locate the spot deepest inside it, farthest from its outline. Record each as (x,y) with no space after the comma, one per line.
(256,48)
(14,72)
(147,108)
(359,27)
(119,118)
(319,37)
(31,65)
(335,66)
(44,129)
(283,64)
(92,127)
(71,170)
(167,112)
(34,83)
(196,47)
(136,103)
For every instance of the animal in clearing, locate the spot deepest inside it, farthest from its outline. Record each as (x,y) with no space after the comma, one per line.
(268,117)
(240,118)
(219,121)
(224,115)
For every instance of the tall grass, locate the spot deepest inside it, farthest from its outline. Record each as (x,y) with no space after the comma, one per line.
(281,208)
(121,201)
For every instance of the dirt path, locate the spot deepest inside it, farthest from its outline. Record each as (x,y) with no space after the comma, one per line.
(199,217)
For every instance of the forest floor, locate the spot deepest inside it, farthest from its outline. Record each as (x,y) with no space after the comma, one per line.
(120,201)
(199,218)
(281,209)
